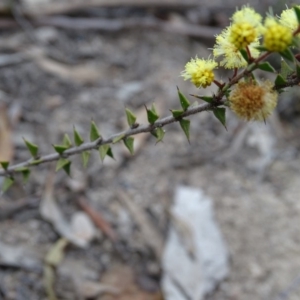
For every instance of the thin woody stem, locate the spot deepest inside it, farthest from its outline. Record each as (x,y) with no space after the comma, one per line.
(217,101)
(97,143)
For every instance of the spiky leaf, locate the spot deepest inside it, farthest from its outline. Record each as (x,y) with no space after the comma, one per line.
(152,114)
(77,138)
(33,148)
(7,183)
(177,113)
(160,133)
(285,70)
(94,132)
(85,158)
(103,151)
(118,138)
(244,53)
(207,99)
(280,81)
(4,164)
(129,144)
(265,66)
(288,54)
(185,125)
(110,153)
(154,109)
(220,114)
(297,11)
(261,48)
(184,102)
(25,174)
(67,141)
(61,163)
(60,148)
(131,118)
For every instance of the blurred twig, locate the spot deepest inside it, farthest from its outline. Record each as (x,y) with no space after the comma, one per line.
(133,23)
(48,8)
(118,25)
(98,219)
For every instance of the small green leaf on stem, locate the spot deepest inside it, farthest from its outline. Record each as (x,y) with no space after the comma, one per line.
(118,138)
(244,53)
(25,173)
(177,113)
(279,81)
(77,138)
(109,153)
(220,114)
(152,114)
(265,66)
(60,148)
(129,144)
(61,163)
(261,48)
(85,158)
(7,183)
(94,132)
(33,149)
(4,164)
(285,69)
(184,102)
(185,125)
(160,133)
(67,141)
(297,11)
(207,99)
(131,118)
(67,168)
(288,55)
(103,151)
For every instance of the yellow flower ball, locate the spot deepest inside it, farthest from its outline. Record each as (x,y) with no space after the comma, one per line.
(246,27)
(277,37)
(253,101)
(288,19)
(232,56)
(200,72)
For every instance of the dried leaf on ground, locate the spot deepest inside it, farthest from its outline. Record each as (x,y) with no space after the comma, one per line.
(52,261)
(123,278)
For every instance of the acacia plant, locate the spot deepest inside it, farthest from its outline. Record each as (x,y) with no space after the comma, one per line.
(243,46)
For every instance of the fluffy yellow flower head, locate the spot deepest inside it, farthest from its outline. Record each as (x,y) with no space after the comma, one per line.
(232,56)
(277,37)
(200,71)
(246,27)
(253,101)
(288,19)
